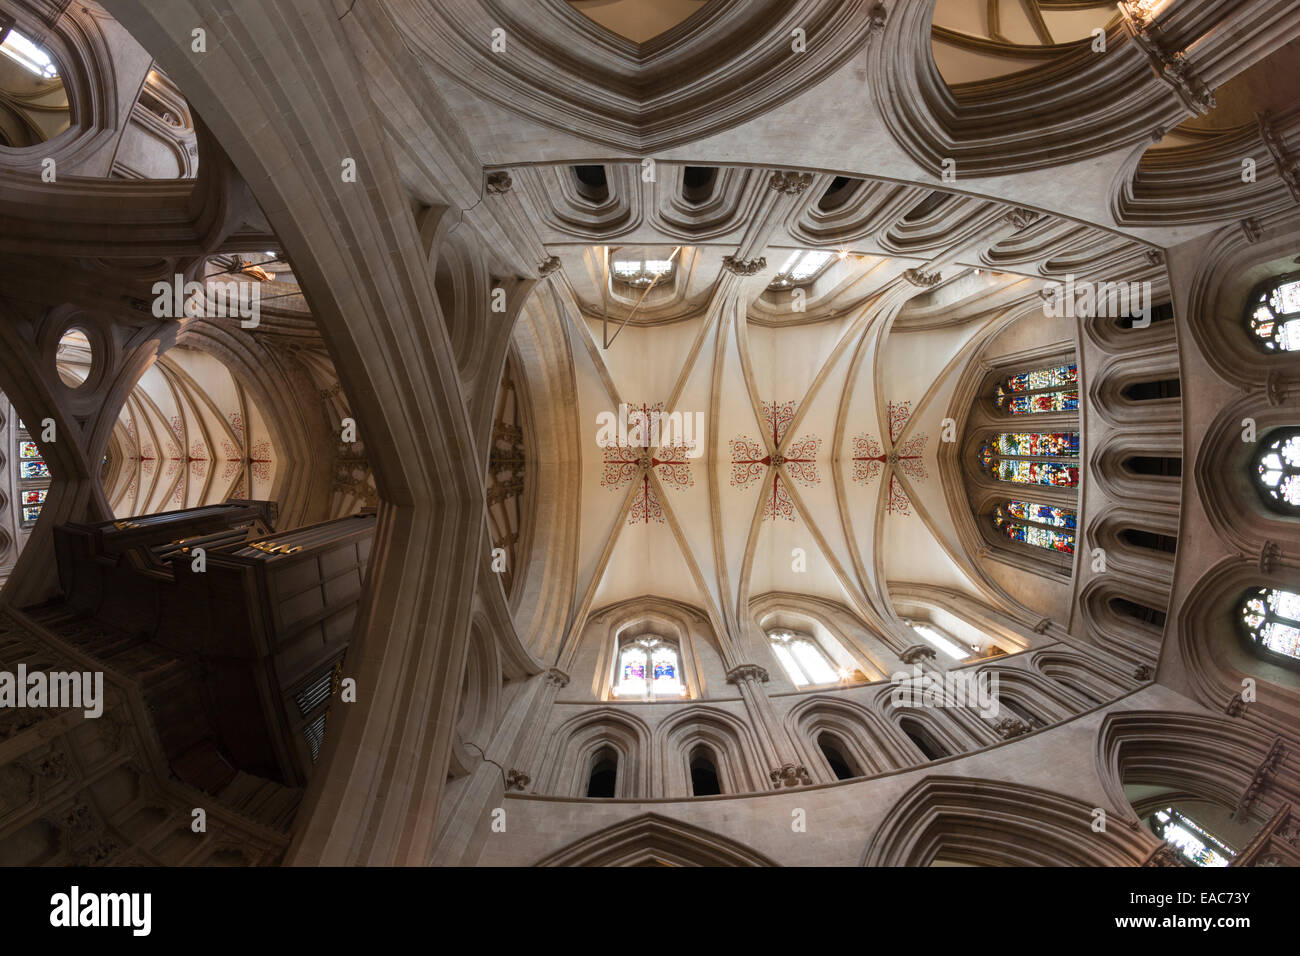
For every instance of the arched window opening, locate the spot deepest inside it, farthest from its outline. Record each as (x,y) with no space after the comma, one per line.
(649,668)
(923,739)
(592,183)
(803,659)
(1051,389)
(839,764)
(1147,615)
(698,182)
(1043,526)
(1149,465)
(1154,390)
(34,104)
(603,777)
(704,773)
(1197,845)
(1270,618)
(1149,540)
(31,57)
(801,267)
(1033,458)
(940,641)
(1277,472)
(1273,315)
(641,271)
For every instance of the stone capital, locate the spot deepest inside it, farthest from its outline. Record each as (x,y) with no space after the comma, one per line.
(744,267)
(742,672)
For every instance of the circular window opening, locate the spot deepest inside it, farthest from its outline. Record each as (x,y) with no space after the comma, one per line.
(75,358)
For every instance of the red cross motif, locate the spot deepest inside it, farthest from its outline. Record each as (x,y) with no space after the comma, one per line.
(869,459)
(632,461)
(749,462)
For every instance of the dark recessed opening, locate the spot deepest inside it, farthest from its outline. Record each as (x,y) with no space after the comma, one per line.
(1149,465)
(593,185)
(697,183)
(840,765)
(923,739)
(704,774)
(927,206)
(1150,541)
(1147,615)
(840,189)
(1153,391)
(1159,313)
(604,775)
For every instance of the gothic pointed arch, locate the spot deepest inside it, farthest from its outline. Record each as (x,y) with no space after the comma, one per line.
(655,840)
(994,823)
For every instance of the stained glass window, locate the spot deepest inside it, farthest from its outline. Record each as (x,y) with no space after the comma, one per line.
(648,668)
(31,469)
(1278,469)
(802,658)
(1198,846)
(1033,458)
(1272,620)
(1052,389)
(1043,526)
(1038,444)
(1274,315)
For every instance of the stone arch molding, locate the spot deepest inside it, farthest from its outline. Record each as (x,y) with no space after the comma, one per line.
(84,51)
(995,823)
(654,840)
(576,742)
(1223,480)
(1207,755)
(726,64)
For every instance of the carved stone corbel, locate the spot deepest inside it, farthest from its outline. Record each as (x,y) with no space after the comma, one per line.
(1020,217)
(1263,775)
(1275,388)
(744,267)
(1282,160)
(922,280)
(1009,727)
(876,20)
(1269,555)
(517,780)
(548,265)
(790,775)
(1171,66)
(789,183)
(743,672)
(917,653)
(498,183)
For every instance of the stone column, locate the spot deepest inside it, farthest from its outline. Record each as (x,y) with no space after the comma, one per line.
(776,746)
